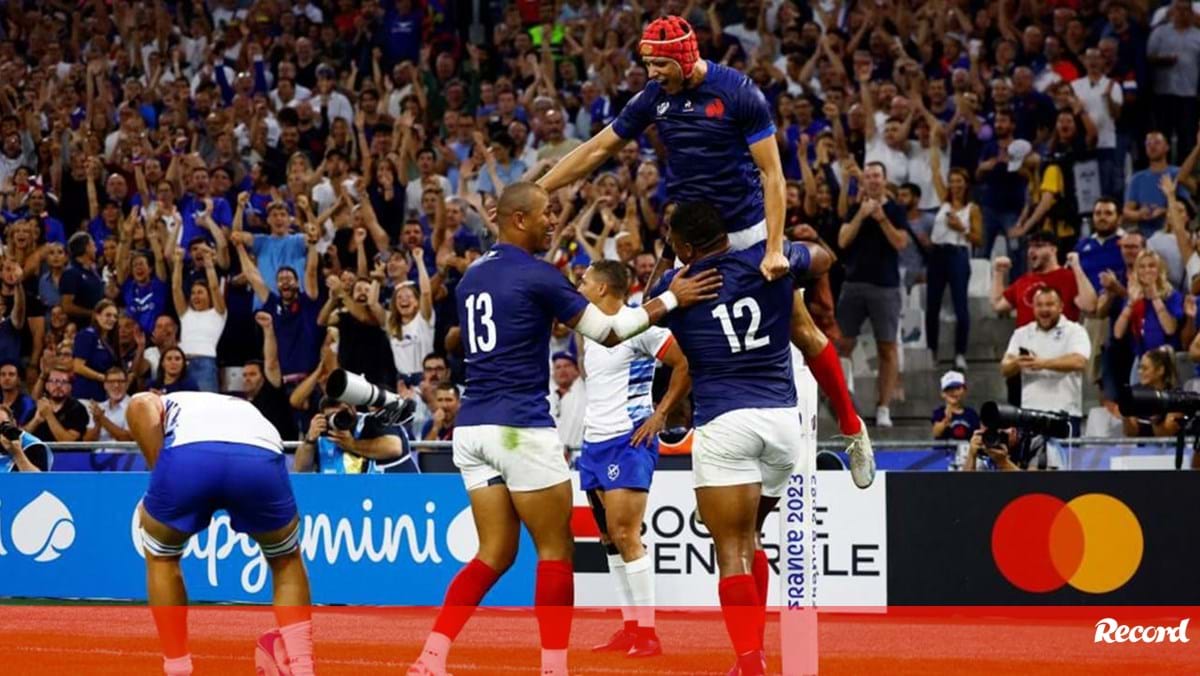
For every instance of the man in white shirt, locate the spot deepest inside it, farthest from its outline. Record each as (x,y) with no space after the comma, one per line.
(328,102)
(568,399)
(1051,354)
(1102,98)
(108,418)
(620,450)
(887,145)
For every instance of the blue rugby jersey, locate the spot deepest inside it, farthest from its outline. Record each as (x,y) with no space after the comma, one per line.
(708,130)
(507,302)
(738,346)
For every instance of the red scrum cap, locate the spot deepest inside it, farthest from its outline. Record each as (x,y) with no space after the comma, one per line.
(671,37)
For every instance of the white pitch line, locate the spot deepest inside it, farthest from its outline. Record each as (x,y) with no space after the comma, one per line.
(356,662)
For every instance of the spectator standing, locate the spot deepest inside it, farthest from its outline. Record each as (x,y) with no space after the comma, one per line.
(954,420)
(1173,53)
(876,231)
(568,399)
(410,322)
(1002,184)
(264,382)
(294,311)
(440,427)
(957,227)
(1153,313)
(363,348)
(1044,270)
(201,319)
(108,414)
(1102,98)
(59,416)
(1145,204)
(95,353)
(81,285)
(1050,354)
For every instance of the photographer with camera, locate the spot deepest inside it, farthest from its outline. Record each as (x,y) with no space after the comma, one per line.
(1007,450)
(1013,439)
(342,441)
(20,451)
(1050,354)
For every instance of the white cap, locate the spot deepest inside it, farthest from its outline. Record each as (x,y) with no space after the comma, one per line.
(953,379)
(1018,150)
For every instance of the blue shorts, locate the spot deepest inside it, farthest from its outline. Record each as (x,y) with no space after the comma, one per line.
(191,482)
(614,463)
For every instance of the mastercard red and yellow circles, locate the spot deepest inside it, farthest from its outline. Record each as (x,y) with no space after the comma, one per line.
(1093,543)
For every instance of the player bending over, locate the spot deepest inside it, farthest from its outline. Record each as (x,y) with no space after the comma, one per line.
(505,443)
(620,450)
(720,137)
(198,468)
(747,439)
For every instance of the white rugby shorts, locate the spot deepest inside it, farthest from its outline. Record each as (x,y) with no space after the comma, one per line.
(746,446)
(526,458)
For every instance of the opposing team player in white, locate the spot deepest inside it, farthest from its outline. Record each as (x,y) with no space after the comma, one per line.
(620,450)
(198,467)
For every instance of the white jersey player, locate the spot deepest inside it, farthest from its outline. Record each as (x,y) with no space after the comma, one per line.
(620,450)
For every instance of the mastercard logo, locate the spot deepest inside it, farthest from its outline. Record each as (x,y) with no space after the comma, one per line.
(1092,543)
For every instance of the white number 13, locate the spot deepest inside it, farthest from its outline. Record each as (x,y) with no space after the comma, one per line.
(740,308)
(486,340)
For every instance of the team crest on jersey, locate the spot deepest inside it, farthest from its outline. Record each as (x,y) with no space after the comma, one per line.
(715,109)
(614,471)
(662,108)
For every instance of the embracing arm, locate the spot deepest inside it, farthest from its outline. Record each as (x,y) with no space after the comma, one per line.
(583,160)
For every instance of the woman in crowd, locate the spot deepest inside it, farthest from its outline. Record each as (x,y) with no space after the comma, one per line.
(201,320)
(1153,313)
(173,375)
(1156,370)
(95,352)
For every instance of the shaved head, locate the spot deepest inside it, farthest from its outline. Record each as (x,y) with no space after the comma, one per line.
(524,216)
(522,197)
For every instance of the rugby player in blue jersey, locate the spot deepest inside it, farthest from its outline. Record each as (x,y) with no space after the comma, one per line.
(197,468)
(747,439)
(721,147)
(505,443)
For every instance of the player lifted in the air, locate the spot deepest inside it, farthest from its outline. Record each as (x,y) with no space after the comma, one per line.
(747,440)
(505,443)
(198,468)
(620,450)
(721,147)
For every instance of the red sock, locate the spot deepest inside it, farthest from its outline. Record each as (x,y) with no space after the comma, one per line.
(554,602)
(465,592)
(761,569)
(744,618)
(827,369)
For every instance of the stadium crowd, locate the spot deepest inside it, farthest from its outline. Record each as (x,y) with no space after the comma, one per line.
(244,196)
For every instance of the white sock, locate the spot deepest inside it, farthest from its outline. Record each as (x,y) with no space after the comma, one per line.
(620,576)
(437,647)
(640,574)
(554,662)
(178,666)
(297,640)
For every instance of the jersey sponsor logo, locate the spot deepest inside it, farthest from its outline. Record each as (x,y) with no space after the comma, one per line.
(715,109)
(43,529)
(662,108)
(687,106)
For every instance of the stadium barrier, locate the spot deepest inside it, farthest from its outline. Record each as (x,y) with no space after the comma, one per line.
(1098,453)
(913,538)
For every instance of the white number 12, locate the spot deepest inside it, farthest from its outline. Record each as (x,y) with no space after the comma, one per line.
(740,308)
